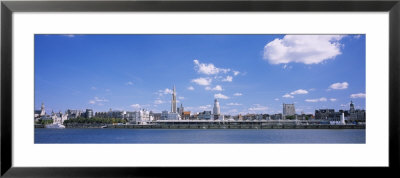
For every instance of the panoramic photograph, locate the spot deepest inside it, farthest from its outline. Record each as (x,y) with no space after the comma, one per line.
(199,88)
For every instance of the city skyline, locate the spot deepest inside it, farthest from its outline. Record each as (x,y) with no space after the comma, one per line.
(246,73)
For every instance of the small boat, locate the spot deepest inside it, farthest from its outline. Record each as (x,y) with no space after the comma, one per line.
(55,126)
(104,126)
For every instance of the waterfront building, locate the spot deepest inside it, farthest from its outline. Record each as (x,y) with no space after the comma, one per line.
(239,117)
(74,113)
(216,109)
(89,113)
(342,120)
(259,117)
(267,116)
(352,107)
(194,116)
(111,114)
(131,116)
(186,115)
(356,115)
(40,113)
(276,116)
(156,116)
(164,115)
(288,110)
(58,118)
(205,115)
(173,116)
(115,114)
(139,117)
(181,110)
(173,101)
(324,114)
(143,117)
(249,117)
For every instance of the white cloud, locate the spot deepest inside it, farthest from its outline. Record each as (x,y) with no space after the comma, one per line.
(190,88)
(323,99)
(236,73)
(339,86)
(220,96)
(181,97)
(136,106)
(258,107)
(202,81)
(299,92)
(216,88)
(358,95)
(228,79)
(233,111)
(158,101)
(208,69)
(237,94)
(233,104)
(93,88)
(276,99)
(205,107)
(333,99)
(167,91)
(129,83)
(164,92)
(287,96)
(98,100)
(307,49)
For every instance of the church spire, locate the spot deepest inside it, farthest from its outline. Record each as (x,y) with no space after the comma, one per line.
(173,102)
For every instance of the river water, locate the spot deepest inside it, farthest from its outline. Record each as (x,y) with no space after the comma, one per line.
(211,136)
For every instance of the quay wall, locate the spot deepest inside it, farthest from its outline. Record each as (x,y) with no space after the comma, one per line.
(213,126)
(39,126)
(198,126)
(83,126)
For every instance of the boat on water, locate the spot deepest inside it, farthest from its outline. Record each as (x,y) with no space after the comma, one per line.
(55,126)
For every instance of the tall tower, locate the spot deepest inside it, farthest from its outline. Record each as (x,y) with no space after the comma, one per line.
(173,102)
(42,111)
(180,110)
(351,107)
(216,110)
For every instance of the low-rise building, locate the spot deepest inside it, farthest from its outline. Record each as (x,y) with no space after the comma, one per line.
(186,115)
(205,115)
(324,114)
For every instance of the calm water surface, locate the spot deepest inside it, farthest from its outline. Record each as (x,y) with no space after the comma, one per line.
(174,136)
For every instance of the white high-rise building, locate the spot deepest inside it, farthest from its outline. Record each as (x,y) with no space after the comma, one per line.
(42,111)
(216,110)
(288,110)
(173,101)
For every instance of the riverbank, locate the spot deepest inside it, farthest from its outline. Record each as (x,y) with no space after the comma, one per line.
(236,126)
(88,126)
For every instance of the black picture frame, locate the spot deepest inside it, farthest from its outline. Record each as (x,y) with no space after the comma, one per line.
(8,7)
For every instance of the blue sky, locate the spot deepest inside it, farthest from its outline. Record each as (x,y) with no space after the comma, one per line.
(247,73)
